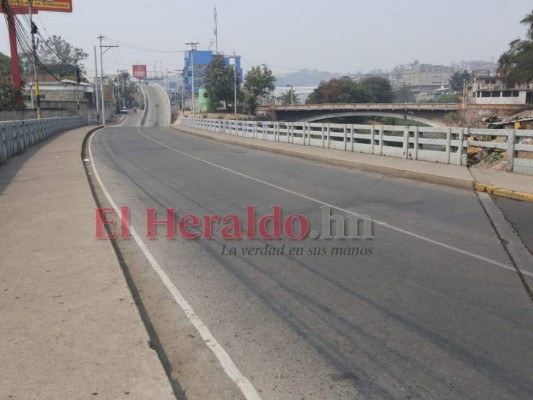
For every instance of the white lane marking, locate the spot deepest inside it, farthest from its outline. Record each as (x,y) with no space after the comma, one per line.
(229,367)
(323,203)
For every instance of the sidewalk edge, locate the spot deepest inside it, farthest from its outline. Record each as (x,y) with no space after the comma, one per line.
(511,194)
(153,340)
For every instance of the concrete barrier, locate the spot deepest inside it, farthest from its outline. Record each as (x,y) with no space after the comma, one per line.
(434,144)
(17,136)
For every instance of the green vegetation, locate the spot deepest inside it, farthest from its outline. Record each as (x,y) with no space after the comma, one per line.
(347,90)
(446,98)
(259,81)
(517,62)
(289,97)
(403,94)
(458,79)
(8,94)
(129,91)
(56,56)
(379,88)
(220,81)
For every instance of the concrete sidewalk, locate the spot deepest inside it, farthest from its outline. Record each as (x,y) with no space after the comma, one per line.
(69,328)
(500,183)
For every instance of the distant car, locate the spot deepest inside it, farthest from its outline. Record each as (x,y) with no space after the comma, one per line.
(124,111)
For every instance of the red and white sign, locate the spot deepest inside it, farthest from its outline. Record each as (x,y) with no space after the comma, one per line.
(139,71)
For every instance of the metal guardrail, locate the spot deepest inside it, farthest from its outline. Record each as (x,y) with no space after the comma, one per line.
(433,144)
(17,136)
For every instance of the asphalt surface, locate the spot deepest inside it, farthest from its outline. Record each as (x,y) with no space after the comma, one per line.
(398,317)
(520,216)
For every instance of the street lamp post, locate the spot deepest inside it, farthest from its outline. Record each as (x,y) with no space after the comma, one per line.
(192,50)
(182,89)
(102,72)
(96,87)
(234,63)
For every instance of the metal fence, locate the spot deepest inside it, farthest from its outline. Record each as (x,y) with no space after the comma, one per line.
(17,136)
(434,144)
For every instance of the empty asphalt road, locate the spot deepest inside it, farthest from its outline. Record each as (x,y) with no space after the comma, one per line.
(430,308)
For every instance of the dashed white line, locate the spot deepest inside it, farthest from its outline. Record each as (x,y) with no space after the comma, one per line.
(323,203)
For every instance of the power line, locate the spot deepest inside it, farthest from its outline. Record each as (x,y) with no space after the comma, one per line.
(144,49)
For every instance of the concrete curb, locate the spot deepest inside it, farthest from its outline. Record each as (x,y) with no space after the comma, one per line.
(480,187)
(398,172)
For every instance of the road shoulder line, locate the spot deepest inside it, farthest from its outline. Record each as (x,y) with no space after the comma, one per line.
(229,367)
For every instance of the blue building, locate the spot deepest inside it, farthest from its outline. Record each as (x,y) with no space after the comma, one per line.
(201,60)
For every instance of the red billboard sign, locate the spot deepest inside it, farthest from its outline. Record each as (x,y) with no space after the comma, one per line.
(140,72)
(21,6)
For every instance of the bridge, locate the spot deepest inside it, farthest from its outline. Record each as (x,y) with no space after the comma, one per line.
(426,113)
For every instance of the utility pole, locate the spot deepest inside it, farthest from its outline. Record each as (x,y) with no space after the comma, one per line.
(102,72)
(234,63)
(181,74)
(182,93)
(96,86)
(465,93)
(216,31)
(192,50)
(118,89)
(15,67)
(33,30)
(291,93)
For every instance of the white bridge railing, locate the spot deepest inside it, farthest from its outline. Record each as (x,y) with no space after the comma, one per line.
(434,144)
(17,136)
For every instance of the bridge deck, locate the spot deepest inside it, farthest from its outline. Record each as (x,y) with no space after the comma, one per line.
(392,107)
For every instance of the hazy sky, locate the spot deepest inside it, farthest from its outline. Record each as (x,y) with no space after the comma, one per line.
(333,35)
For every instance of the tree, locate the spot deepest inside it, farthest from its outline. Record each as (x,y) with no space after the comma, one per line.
(517,62)
(447,98)
(403,94)
(380,88)
(8,93)
(289,97)
(219,80)
(458,79)
(8,96)
(58,57)
(259,81)
(341,90)
(5,66)
(250,103)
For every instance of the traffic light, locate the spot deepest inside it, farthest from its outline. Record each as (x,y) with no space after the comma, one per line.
(78,75)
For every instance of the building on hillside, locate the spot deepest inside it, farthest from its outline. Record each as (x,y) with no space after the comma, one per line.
(491,89)
(424,79)
(473,67)
(202,58)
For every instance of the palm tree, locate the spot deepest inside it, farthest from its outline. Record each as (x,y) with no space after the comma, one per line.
(289,97)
